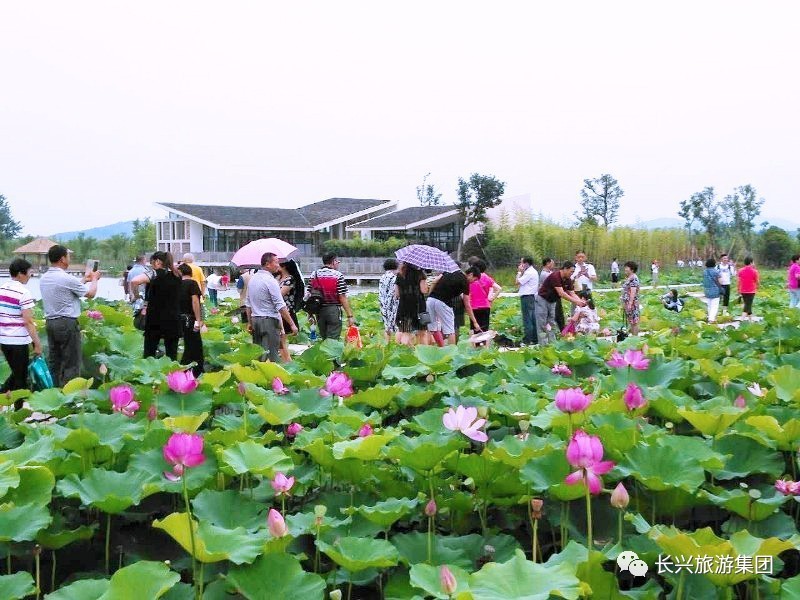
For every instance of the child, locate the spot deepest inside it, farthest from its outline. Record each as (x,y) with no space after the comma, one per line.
(671,301)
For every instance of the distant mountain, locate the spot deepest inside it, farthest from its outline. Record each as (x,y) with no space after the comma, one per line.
(778,222)
(664,223)
(99,233)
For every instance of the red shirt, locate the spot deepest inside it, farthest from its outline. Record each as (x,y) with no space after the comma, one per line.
(748,280)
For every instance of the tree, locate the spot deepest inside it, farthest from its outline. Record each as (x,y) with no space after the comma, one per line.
(144,237)
(82,246)
(116,245)
(478,195)
(776,247)
(9,228)
(426,194)
(600,200)
(742,208)
(703,209)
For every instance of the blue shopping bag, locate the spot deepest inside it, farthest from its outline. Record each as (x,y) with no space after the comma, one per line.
(39,373)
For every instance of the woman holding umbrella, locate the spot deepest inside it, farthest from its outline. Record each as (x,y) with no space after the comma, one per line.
(411,287)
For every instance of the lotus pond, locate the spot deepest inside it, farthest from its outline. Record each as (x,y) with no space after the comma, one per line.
(371,473)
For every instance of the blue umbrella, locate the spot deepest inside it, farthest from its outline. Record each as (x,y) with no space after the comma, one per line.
(427,257)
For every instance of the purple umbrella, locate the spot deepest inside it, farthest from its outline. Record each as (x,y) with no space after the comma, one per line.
(427,257)
(250,254)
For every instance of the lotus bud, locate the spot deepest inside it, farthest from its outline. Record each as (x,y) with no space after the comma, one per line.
(524,425)
(430,378)
(430,508)
(448,581)
(241,388)
(293,429)
(335,595)
(619,497)
(103,369)
(320,510)
(152,413)
(483,412)
(537,508)
(365,431)
(276,524)
(740,402)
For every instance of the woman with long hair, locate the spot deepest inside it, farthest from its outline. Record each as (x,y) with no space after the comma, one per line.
(387,300)
(161,308)
(411,286)
(293,290)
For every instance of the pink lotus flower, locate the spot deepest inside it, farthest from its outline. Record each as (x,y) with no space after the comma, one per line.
(182,451)
(572,400)
(561,369)
(152,413)
(740,402)
(365,431)
(586,452)
(788,488)
(282,484)
(633,397)
(122,400)
(276,524)
(278,387)
(464,420)
(182,382)
(632,358)
(448,581)
(94,314)
(756,390)
(293,429)
(241,388)
(337,384)
(102,369)
(214,311)
(619,497)
(430,508)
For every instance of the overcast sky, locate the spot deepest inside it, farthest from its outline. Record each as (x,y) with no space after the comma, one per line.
(108,107)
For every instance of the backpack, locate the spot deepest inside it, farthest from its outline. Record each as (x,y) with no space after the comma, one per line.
(313,302)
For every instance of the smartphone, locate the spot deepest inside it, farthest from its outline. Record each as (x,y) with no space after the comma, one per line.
(92,266)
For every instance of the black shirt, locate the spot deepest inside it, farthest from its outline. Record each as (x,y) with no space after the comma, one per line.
(189,288)
(449,287)
(162,302)
(547,289)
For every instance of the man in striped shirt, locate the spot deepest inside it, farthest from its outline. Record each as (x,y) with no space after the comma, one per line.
(17,328)
(334,298)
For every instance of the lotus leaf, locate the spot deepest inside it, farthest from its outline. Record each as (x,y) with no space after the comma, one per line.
(55,537)
(423,453)
(786,436)
(546,473)
(143,579)
(229,509)
(212,543)
(427,578)
(746,457)
(243,355)
(34,451)
(363,448)
(492,478)
(377,397)
(111,430)
(109,491)
(35,486)
(85,589)
(22,523)
(713,422)
(185,423)
(276,576)
(356,554)
(273,409)
(521,579)
(153,465)
(17,586)
(386,512)
(786,380)
(662,465)
(250,457)
(9,477)
(740,501)
(270,370)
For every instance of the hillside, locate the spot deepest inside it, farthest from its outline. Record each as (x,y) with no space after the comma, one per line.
(99,233)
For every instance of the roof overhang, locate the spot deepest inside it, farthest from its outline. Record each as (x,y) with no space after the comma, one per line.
(187,215)
(362,213)
(430,221)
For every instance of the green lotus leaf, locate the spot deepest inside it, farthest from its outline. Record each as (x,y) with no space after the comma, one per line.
(386,512)
(516,452)
(319,450)
(316,360)
(415,397)
(520,579)
(517,403)
(9,477)
(377,397)
(76,385)
(363,448)
(79,440)
(745,457)
(47,401)
(229,509)
(356,554)
(10,437)
(428,578)
(785,435)
(56,537)
(492,478)
(212,543)
(174,405)
(22,523)
(546,473)
(436,359)
(35,487)
(664,464)
(109,491)
(786,380)
(703,542)
(273,409)
(720,373)
(423,453)
(85,589)
(270,370)
(111,430)
(17,586)
(790,588)
(366,365)
(413,549)
(713,422)
(249,457)
(276,576)
(143,579)
(244,354)
(310,402)
(617,430)
(185,423)
(34,451)
(739,501)
(403,373)
(249,374)
(398,587)
(304,523)
(666,403)
(660,373)
(352,418)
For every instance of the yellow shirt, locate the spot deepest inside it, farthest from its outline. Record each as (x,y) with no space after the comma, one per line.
(199,277)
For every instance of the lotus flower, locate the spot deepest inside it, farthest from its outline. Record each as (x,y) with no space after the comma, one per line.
(234,320)
(182,451)
(430,508)
(586,452)
(632,358)
(278,387)
(756,390)
(152,413)
(537,508)
(448,581)
(214,311)
(337,384)
(572,400)
(464,420)
(561,369)
(740,402)
(94,314)
(365,431)
(633,397)
(102,369)
(788,488)
(182,382)
(241,388)
(293,429)
(619,497)
(276,524)
(122,400)
(282,484)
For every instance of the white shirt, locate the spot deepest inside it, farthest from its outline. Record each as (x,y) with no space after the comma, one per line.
(654,268)
(615,267)
(725,273)
(213,282)
(584,278)
(14,298)
(528,282)
(264,295)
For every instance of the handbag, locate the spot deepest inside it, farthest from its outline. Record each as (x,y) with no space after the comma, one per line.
(622,332)
(424,318)
(354,337)
(313,303)
(140,318)
(39,374)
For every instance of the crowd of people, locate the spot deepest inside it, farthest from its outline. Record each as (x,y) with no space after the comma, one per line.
(416,306)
